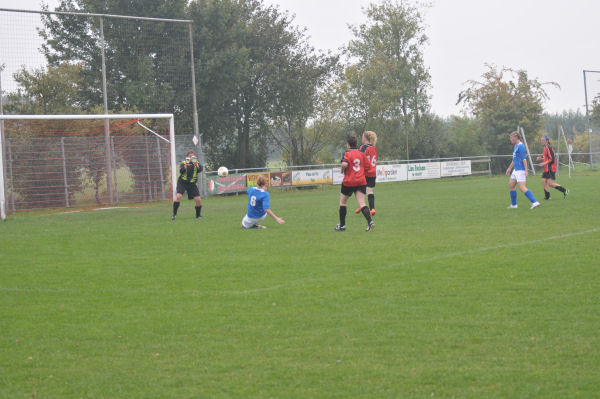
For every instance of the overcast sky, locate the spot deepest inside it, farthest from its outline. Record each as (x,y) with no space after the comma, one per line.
(553,40)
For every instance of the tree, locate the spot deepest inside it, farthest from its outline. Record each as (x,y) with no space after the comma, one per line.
(297,88)
(250,61)
(52,90)
(147,62)
(502,105)
(464,137)
(55,90)
(386,82)
(595,112)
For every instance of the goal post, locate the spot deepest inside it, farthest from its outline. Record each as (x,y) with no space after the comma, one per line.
(60,161)
(2,183)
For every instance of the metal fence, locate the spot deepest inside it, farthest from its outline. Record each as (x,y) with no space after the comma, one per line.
(49,165)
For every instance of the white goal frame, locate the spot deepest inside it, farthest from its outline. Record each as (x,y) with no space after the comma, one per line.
(171,140)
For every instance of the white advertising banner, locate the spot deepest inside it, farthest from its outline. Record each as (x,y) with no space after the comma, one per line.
(338,177)
(387,173)
(308,177)
(456,168)
(419,171)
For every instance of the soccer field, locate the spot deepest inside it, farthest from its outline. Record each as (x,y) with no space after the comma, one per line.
(452,296)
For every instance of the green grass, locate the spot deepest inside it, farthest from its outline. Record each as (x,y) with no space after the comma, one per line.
(452,296)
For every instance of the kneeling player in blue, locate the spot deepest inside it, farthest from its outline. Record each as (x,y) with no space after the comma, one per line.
(519,173)
(258,206)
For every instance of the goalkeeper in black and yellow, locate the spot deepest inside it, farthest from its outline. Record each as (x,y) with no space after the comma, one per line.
(188,176)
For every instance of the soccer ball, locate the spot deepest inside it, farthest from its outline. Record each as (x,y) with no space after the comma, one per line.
(222,171)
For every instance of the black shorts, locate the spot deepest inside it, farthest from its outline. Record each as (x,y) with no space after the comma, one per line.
(371,181)
(549,175)
(191,188)
(349,190)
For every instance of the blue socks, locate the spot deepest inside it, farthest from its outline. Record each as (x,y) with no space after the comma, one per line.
(530,196)
(513,197)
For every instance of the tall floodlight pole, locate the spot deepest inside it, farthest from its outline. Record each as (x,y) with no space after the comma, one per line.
(587,115)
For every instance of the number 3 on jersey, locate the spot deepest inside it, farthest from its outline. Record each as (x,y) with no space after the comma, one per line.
(356,164)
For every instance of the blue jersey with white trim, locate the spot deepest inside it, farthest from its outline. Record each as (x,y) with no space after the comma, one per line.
(258,201)
(519,155)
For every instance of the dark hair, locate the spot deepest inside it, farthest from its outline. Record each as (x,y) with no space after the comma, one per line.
(352,141)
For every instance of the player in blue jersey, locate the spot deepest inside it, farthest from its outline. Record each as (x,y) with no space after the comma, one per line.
(258,206)
(519,172)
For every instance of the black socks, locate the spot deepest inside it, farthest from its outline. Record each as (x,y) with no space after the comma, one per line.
(366,213)
(343,210)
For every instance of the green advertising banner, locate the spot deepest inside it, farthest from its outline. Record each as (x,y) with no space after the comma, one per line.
(229,184)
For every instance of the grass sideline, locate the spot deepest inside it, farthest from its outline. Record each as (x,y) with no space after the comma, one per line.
(452,296)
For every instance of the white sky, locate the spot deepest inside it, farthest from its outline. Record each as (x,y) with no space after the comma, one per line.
(553,40)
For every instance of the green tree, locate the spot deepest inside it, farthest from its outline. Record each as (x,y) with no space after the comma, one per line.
(502,104)
(257,80)
(147,62)
(572,122)
(464,137)
(595,112)
(386,82)
(55,90)
(297,89)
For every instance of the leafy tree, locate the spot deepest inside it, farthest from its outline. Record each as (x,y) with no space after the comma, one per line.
(147,62)
(386,82)
(257,80)
(430,143)
(464,137)
(595,112)
(52,90)
(503,104)
(297,94)
(55,90)
(360,91)
(572,122)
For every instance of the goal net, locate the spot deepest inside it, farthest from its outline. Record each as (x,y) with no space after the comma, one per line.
(64,161)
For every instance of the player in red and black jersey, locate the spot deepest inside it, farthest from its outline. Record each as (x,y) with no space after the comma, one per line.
(369,139)
(353,167)
(548,159)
